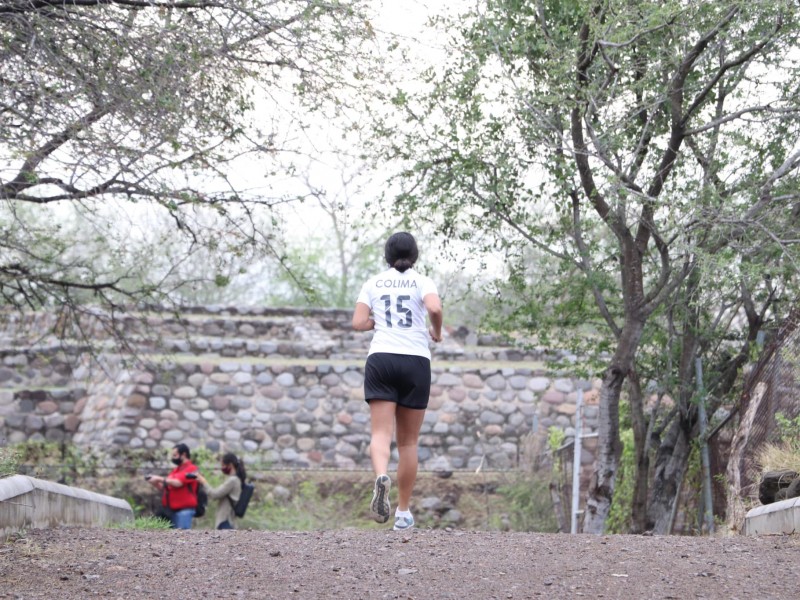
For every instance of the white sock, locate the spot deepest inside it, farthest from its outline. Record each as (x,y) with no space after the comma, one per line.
(402,513)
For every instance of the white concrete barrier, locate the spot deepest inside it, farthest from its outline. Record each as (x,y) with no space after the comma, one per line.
(28,503)
(781,517)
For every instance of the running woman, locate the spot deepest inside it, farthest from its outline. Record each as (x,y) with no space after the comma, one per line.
(397,376)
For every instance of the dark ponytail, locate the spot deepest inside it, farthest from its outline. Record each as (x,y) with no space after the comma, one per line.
(403,265)
(401,251)
(231,459)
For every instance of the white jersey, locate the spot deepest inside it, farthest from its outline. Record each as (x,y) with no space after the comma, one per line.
(395,300)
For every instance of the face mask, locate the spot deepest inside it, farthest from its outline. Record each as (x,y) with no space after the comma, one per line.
(227,470)
(176,461)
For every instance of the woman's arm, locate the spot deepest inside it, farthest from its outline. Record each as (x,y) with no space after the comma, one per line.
(222,490)
(433,304)
(361,319)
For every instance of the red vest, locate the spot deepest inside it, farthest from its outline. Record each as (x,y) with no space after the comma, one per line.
(185,496)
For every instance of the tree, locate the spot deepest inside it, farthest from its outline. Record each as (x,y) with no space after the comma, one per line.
(170,106)
(636,143)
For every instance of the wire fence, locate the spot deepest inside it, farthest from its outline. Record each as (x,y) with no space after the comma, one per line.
(772,388)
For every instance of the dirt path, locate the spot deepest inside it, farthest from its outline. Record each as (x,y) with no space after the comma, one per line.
(86,563)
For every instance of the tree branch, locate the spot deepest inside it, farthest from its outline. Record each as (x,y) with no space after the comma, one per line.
(586,266)
(23,6)
(700,98)
(26,177)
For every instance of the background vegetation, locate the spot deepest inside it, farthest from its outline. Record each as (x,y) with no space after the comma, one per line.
(304,500)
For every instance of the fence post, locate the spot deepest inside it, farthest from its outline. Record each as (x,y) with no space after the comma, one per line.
(707,522)
(576,462)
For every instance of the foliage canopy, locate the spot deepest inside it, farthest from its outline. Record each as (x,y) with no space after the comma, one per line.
(128,112)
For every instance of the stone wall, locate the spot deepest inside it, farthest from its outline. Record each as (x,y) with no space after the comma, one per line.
(285,386)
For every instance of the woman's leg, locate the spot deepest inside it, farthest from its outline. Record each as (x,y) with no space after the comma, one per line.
(409,422)
(382,426)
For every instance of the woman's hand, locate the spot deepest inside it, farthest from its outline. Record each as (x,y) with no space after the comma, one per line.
(434,336)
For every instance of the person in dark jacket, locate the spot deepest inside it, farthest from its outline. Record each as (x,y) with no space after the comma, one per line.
(228,491)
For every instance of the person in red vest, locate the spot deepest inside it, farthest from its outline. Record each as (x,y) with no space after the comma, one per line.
(178,489)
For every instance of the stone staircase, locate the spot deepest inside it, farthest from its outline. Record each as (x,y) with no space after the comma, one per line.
(283,386)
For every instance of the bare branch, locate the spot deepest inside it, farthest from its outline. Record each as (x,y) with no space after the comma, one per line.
(726,66)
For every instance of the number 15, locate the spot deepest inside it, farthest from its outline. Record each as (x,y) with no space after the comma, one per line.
(401,310)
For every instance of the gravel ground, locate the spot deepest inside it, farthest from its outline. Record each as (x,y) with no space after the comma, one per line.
(109,563)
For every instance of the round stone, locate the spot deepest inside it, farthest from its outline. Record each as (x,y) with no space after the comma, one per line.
(185,392)
(173,435)
(305,444)
(448,380)
(353,379)
(208,390)
(288,406)
(496,382)
(472,380)
(196,379)
(563,385)
(289,455)
(285,379)
(490,417)
(198,404)
(264,378)
(457,394)
(242,378)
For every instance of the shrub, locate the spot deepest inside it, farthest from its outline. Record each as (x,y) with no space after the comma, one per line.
(9,462)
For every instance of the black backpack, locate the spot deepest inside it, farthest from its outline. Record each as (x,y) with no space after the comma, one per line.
(240,506)
(202,501)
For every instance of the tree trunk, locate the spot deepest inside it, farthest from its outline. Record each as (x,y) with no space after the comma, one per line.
(601,488)
(672,455)
(642,475)
(671,460)
(558,507)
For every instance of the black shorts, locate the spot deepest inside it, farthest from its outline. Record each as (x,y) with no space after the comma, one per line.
(401,378)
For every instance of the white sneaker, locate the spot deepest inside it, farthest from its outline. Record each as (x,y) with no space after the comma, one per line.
(379,508)
(403,523)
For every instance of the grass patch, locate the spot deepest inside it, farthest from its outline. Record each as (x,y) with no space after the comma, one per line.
(784,452)
(530,507)
(9,461)
(143,523)
(309,500)
(312,501)
(779,457)
(296,501)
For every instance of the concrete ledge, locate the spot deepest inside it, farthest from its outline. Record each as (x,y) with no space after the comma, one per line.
(777,518)
(28,503)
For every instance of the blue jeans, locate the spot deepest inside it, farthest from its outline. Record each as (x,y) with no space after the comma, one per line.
(182,519)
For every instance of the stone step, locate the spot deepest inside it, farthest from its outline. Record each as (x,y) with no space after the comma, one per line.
(778,518)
